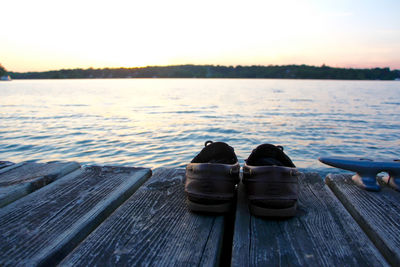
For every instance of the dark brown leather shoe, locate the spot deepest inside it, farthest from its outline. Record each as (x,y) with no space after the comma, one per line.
(211,179)
(271,182)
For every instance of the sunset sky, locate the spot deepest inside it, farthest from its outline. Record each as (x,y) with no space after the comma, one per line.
(47,35)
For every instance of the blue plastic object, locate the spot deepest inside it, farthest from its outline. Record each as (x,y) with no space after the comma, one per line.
(367,169)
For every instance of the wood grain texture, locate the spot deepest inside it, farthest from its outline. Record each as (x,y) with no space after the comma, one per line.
(153,228)
(19,180)
(4,164)
(43,227)
(12,166)
(322,234)
(378,213)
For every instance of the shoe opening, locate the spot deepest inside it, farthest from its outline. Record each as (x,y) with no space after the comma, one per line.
(217,152)
(269,155)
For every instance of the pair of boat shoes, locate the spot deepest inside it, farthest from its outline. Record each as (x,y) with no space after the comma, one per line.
(269,176)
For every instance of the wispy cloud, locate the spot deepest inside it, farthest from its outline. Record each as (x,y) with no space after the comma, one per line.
(340,14)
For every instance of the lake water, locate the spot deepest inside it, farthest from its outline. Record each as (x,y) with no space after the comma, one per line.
(165,122)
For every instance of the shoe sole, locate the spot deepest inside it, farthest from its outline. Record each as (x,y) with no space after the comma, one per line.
(216,208)
(266,212)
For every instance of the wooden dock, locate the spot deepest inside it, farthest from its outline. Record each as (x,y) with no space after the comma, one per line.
(60,213)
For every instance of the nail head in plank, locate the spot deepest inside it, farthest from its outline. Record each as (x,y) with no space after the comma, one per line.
(153,228)
(322,234)
(378,213)
(19,180)
(43,227)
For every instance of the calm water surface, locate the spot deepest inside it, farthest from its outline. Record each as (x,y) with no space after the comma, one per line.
(165,122)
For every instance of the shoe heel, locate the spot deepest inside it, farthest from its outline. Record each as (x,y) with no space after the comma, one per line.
(266,212)
(212,208)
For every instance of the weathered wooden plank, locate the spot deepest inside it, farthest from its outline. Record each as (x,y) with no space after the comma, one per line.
(378,213)
(19,180)
(43,227)
(322,234)
(153,228)
(4,164)
(12,166)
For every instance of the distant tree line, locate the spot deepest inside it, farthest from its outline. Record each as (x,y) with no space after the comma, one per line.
(3,71)
(211,71)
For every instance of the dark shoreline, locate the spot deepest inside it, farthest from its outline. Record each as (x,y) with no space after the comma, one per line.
(210,71)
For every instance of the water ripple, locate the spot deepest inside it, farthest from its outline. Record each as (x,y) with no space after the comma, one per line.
(152,124)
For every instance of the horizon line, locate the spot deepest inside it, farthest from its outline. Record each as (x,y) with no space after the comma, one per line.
(211,65)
